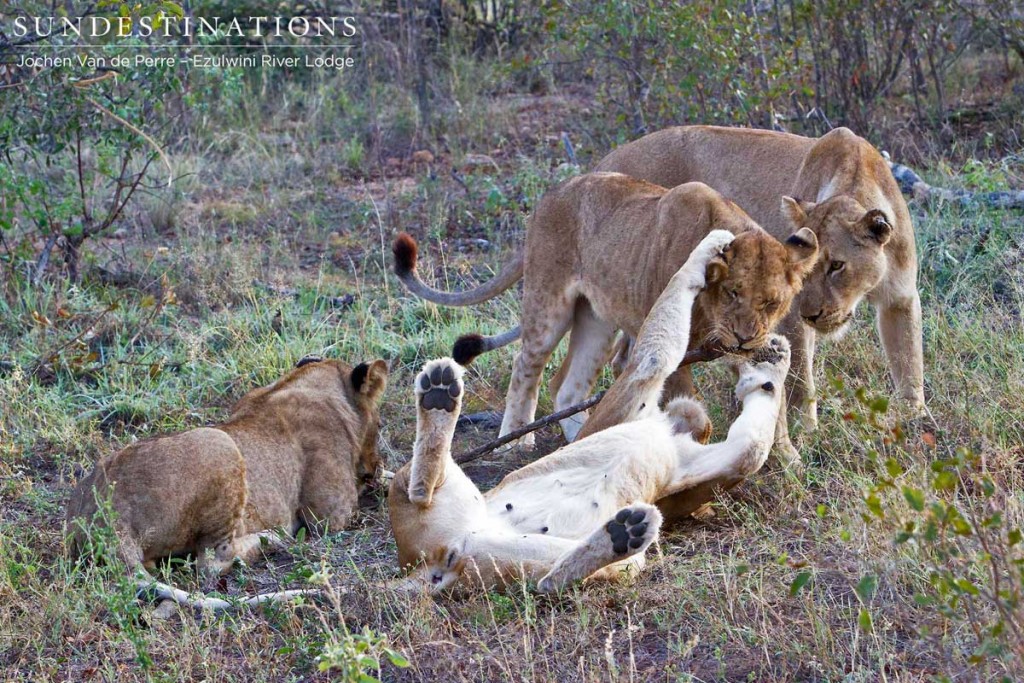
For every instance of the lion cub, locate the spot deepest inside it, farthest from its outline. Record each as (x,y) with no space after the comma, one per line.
(586,510)
(293,453)
(599,250)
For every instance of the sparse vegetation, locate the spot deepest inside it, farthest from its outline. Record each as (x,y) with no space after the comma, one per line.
(897,556)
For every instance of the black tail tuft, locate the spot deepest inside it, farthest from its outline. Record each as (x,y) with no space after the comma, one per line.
(405,250)
(468,347)
(306,360)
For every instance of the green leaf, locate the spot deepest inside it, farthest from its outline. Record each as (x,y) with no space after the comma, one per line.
(864,621)
(874,505)
(397,658)
(1014,537)
(866,587)
(799,582)
(879,405)
(893,468)
(915,497)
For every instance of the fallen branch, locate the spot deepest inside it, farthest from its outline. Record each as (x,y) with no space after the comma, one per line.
(526,429)
(911,183)
(698,355)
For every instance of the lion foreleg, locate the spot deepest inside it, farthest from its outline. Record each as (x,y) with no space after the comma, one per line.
(899,326)
(661,343)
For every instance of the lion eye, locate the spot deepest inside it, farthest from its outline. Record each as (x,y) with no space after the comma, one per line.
(836,266)
(771,306)
(733,294)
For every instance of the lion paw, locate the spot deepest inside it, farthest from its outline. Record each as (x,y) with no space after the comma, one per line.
(766,369)
(711,246)
(633,528)
(439,386)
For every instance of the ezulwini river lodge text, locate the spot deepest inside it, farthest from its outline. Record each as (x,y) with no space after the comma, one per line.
(199,61)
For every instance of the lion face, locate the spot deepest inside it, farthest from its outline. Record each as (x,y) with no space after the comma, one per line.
(851,261)
(751,286)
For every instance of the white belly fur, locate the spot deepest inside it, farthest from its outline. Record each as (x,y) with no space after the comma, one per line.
(632,463)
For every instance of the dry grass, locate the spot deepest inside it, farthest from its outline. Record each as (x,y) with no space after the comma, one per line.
(264,248)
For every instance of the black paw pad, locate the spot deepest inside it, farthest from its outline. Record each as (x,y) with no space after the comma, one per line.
(627,530)
(768,386)
(619,536)
(440,389)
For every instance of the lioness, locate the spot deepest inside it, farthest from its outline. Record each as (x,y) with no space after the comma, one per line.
(599,250)
(293,453)
(585,510)
(839,187)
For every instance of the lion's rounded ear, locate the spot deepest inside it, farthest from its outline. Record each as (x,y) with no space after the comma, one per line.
(796,211)
(370,379)
(716,271)
(877,226)
(802,246)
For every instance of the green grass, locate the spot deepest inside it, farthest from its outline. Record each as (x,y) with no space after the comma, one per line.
(265,239)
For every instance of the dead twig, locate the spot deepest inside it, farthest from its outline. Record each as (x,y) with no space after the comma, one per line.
(526,429)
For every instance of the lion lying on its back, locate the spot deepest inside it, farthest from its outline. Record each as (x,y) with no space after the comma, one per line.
(600,249)
(292,453)
(586,510)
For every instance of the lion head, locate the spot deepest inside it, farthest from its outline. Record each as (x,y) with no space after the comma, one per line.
(851,262)
(751,285)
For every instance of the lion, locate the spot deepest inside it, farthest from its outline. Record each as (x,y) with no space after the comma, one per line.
(840,188)
(586,510)
(599,250)
(294,453)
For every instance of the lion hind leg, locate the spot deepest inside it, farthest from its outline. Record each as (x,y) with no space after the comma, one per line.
(591,344)
(689,417)
(547,316)
(628,533)
(438,390)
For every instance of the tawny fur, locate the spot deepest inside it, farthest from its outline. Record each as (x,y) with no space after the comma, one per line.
(554,521)
(293,453)
(837,181)
(599,250)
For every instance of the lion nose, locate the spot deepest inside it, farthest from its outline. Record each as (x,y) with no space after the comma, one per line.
(813,318)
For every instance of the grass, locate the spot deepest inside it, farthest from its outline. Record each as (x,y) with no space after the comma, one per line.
(266,247)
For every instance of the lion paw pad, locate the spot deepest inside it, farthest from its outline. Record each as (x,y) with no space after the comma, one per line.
(440,388)
(627,530)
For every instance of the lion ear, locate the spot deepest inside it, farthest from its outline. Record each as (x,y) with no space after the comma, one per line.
(802,247)
(716,271)
(370,380)
(877,226)
(796,211)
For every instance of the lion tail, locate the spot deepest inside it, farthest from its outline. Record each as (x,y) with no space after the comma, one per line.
(405,251)
(469,346)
